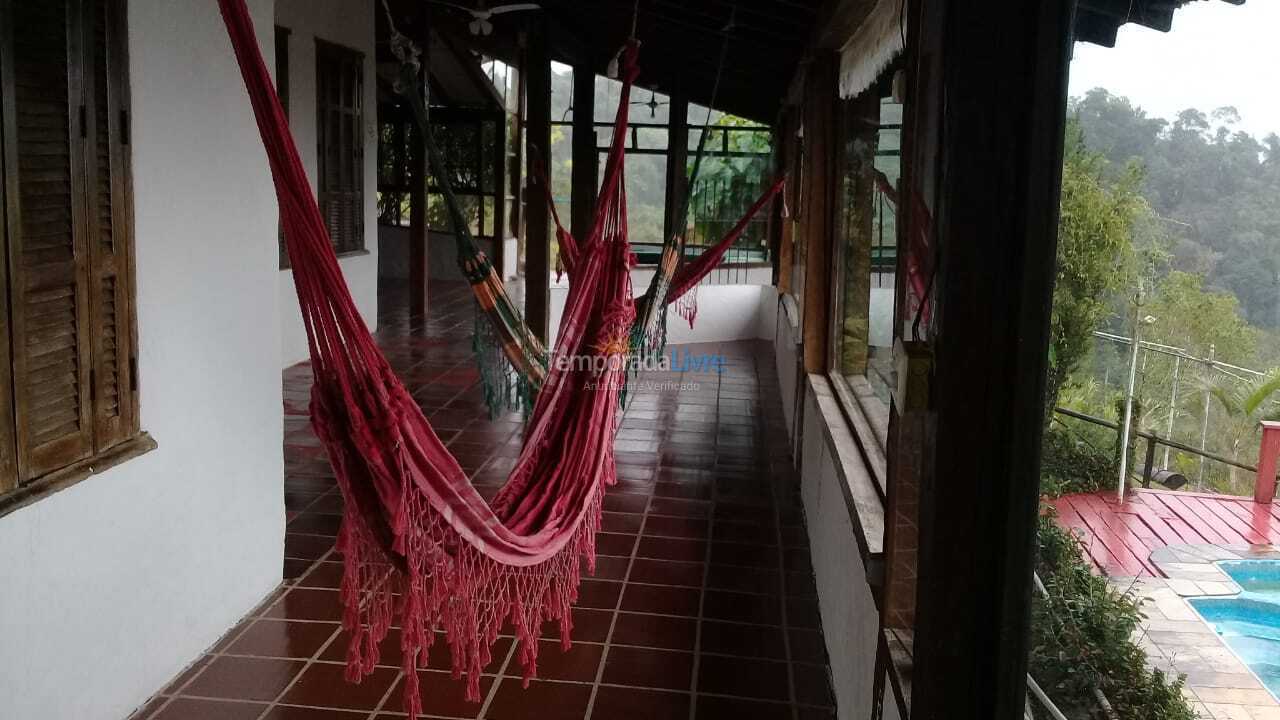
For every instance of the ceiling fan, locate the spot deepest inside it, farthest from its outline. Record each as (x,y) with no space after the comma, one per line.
(652,103)
(480,14)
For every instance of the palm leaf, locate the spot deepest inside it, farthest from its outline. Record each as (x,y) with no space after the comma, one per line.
(1261,394)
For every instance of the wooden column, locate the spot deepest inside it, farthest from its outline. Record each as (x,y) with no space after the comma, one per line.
(677,161)
(419,231)
(517,161)
(537,259)
(500,195)
(787,149)
(990,87)
(821,183)
(585,180)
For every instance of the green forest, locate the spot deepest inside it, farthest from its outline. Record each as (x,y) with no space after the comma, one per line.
(1174,223)
(726,186)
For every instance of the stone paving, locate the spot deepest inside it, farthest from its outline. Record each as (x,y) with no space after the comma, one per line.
(1178,641)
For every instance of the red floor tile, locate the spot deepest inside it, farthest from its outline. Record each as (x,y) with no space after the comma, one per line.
(579,663)
(742,607)
(441,695)
(702,470)
(661,600)
(308,604)
(282,639)
(292,712)
(244,678)
(196,709)
(743,677)
(744,640)
(322,685)
(655,631)
(544,700)
(625,703)
(721,708)
(648,668)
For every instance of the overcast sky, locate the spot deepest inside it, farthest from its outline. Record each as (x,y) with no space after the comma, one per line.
(1217,54)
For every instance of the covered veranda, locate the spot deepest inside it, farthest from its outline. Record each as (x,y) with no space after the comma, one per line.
(703,604)
(783,541)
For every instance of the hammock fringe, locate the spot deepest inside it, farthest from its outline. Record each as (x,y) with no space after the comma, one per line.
(453,589)
(504,389)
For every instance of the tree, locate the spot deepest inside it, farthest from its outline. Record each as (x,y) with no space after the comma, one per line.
(1212,186)
(1244,404)
(1094,253)
(1194,318)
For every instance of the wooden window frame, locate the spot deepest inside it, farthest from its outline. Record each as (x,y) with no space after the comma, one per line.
(93,236)
(327,52)
(866,412)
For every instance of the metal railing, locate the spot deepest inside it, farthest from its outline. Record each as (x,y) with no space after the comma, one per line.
(1153,441)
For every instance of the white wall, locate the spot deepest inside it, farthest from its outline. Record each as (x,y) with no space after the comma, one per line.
(786,339)
(349,23)
(725,312)
(850,620)
(110,587)
(442,254)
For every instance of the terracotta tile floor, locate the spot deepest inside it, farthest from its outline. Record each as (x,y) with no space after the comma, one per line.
(703,604)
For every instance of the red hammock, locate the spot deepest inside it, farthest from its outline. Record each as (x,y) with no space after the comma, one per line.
(418,541)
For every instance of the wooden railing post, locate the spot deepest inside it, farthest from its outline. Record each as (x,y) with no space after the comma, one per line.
(1264,485)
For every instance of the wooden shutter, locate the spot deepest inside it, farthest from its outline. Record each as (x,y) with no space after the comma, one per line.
(47,234)
(109,227)
(340,124)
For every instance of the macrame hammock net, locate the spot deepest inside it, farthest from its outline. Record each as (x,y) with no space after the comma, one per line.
(422,550)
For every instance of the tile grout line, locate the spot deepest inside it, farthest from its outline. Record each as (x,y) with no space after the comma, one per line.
(785,624)
(622,592)
(310,661)
(497,680)
(706,571)
(377,709)
(210,654)
(717,444)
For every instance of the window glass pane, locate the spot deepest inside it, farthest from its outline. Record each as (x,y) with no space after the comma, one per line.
(725,189)
(604,136)
(488,225)
(561,174)
(650,107)
(651,139)
(867,236)
(646,198)
(561,92)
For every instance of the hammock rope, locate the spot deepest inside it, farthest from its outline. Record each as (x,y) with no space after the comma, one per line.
(510,357)
(420,547)
(651,332)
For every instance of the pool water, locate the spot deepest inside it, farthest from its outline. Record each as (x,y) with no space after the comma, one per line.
(1249,623)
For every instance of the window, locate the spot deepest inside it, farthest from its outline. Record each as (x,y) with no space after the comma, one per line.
(867,246)
(340,127)
(70,392)
(282,66)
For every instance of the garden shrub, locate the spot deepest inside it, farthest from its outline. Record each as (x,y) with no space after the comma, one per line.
(1071,463)
(1082,638)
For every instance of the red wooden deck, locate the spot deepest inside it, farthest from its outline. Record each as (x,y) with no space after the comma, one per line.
(1120,536)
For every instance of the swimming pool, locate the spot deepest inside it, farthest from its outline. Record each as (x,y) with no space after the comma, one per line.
(1249,623)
